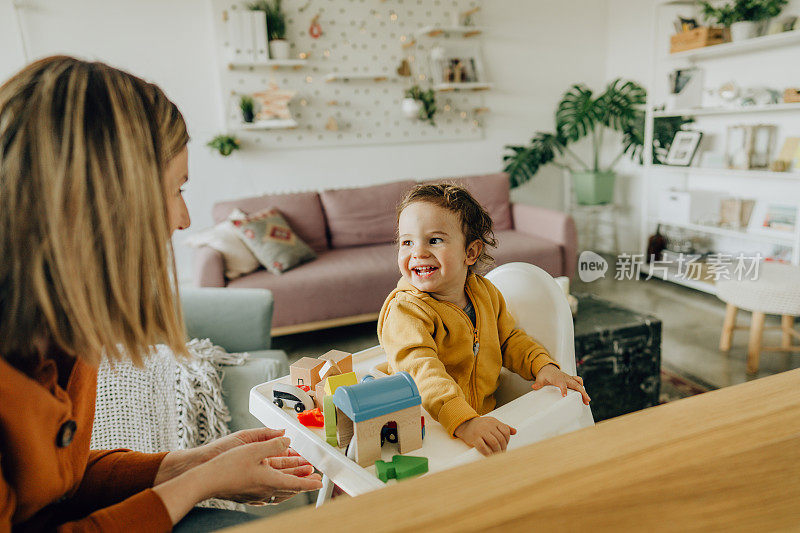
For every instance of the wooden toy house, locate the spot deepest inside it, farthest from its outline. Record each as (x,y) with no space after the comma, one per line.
(370,405)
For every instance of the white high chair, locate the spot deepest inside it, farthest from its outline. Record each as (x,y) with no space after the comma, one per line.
(538,304)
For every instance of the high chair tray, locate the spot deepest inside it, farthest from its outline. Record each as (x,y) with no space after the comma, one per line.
(536,415)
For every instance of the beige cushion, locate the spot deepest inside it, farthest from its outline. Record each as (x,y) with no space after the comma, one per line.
(224,238)
(274,243)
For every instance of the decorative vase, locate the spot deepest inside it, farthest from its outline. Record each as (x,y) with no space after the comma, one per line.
(411,108)
(279,49)
(741,31)
(593,188)
(248,116)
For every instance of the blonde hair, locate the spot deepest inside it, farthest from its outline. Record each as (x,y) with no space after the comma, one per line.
(87,262)
(476,224)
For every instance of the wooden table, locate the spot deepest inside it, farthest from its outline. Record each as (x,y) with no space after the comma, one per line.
(727,459)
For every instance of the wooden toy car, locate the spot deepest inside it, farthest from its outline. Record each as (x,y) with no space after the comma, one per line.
(291,396)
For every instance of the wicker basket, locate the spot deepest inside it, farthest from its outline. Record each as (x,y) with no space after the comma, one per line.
(698,38)
(791,95)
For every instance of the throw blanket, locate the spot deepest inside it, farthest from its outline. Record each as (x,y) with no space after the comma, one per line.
(171,403)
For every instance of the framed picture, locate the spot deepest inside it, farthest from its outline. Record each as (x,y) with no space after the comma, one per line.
(773,217)
(749,146)
(456,64)
(684,146)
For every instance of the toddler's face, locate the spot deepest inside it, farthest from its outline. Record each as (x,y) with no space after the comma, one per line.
(431,254)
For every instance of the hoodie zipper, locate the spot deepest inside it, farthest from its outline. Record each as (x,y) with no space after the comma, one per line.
(476,345)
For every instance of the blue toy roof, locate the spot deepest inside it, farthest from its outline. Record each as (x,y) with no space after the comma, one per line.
(377,397)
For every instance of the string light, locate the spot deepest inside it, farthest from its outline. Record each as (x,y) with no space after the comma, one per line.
(422,77)
(303,102)
(327,53)
(403,38)
(463,114)
(308,79)
(447,107)
(303,55)
(393,17)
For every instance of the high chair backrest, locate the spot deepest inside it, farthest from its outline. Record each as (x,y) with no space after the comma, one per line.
(540,308)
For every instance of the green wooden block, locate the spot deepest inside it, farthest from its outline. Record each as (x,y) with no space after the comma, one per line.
(409,466)
(385,471)
(329,413)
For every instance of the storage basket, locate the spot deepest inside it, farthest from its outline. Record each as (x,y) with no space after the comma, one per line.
(698,38)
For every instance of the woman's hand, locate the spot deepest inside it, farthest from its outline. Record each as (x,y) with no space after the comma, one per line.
(552,375)
(259,471)
(179,461)
(262,471)
(486,434)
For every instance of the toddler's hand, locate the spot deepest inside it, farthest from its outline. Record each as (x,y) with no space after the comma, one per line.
(552,375)
(486,434)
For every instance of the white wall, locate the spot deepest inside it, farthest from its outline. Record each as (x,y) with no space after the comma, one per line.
(533,51)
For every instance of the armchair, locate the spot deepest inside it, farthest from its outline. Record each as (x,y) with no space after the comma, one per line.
(239,320)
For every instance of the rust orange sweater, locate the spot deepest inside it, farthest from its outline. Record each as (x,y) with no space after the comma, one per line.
(45,486)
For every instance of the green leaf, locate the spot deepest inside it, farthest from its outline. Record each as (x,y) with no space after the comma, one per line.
(620,105)
(576,114)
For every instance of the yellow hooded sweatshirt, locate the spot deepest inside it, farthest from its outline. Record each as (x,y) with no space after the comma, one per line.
(455,365)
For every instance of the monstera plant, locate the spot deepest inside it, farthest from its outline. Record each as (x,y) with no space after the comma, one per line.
(581,113)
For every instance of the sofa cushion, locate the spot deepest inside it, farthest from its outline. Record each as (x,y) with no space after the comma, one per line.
(516,246)
(339,283)
(492,192)
(223,238)
(302,211)
(274,243)
(366,215)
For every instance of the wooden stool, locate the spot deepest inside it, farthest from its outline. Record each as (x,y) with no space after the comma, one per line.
(775,292)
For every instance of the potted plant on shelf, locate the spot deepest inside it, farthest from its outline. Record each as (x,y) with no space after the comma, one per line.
(746,18)
(420,104)
(247,105)
(276,27)
(224,144)
(580,114)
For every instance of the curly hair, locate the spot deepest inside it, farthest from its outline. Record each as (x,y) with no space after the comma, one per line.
(476,224)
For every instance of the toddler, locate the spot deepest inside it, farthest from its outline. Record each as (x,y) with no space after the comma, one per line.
(448,326)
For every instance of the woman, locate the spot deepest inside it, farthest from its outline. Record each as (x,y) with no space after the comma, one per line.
(92,161)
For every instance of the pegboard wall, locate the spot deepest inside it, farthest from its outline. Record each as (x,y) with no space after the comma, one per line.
(362,37)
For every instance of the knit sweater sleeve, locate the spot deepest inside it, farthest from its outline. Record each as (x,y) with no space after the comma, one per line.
(521,353)
(407,339)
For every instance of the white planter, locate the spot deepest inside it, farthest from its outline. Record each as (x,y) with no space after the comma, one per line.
(411,108)
(741,31)
(279,49)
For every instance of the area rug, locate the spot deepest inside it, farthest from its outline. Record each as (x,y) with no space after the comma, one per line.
(675,387)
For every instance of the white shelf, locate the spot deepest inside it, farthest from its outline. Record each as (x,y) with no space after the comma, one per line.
(268,125)
(435,31)
(740,47)
(727,172)
(703,286)
(727,110)
(358,76)
(782,240)
(467,86)
(272,63)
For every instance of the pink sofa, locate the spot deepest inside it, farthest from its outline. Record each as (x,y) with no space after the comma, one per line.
(353,232)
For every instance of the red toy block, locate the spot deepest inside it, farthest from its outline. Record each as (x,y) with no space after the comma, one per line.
(311,418)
